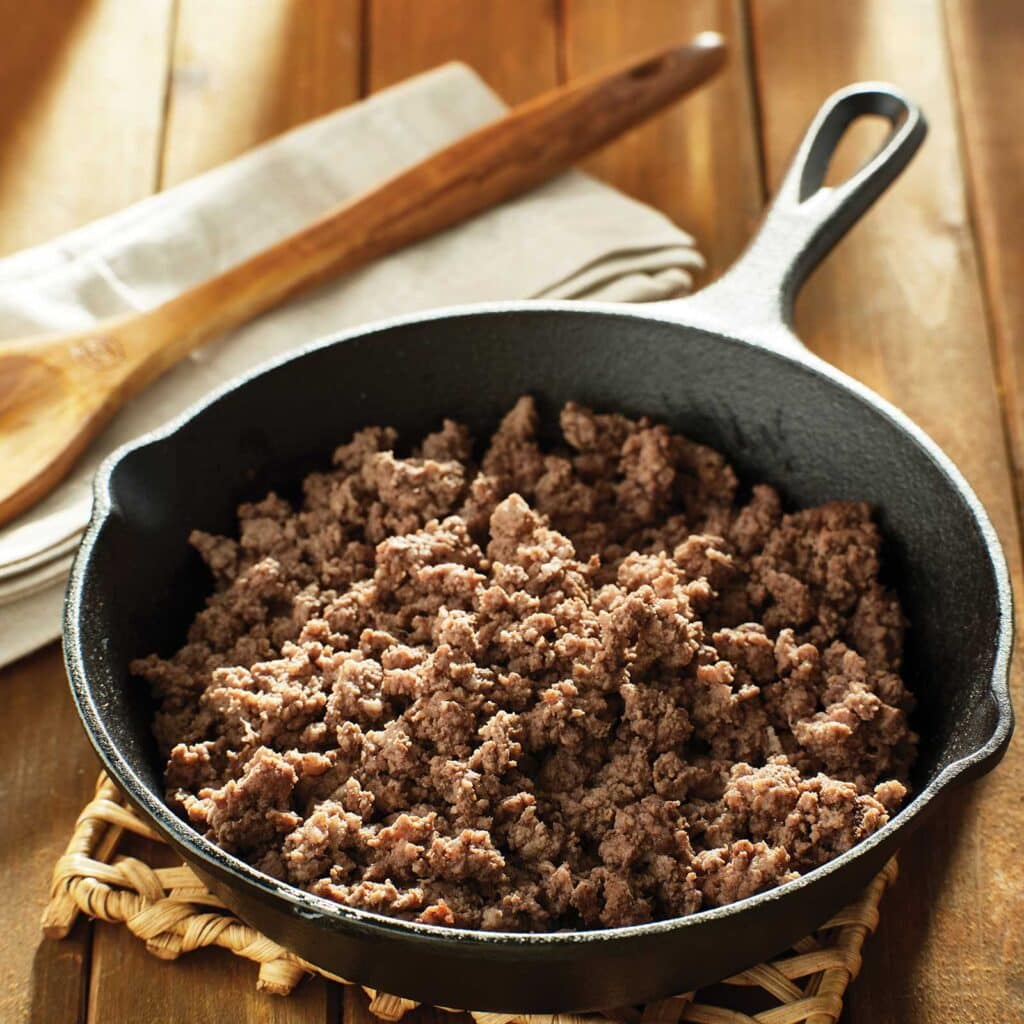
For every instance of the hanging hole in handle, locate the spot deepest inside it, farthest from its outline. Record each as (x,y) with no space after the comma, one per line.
(855,131)
(862,140)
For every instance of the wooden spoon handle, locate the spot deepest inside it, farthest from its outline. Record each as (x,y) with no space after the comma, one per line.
(498,161)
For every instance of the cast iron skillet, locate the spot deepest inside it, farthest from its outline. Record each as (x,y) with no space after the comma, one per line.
(722,367)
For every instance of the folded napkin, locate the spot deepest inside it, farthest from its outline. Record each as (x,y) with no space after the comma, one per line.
(570,238)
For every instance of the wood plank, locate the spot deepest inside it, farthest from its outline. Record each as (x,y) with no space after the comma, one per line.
(512,46)
(244,72)
(698,162)
(47,773)
(986,39)
(883,42)
(899,305)
(81,104)
(129,986)
(241,74)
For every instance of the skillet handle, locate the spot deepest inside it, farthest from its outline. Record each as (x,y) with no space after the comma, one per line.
(754,299)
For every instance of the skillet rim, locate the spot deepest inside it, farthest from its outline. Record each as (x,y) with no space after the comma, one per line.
(301,903)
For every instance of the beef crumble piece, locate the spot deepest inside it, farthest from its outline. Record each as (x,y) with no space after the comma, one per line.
(582,686)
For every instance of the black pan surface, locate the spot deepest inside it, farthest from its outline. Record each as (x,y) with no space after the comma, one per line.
(721,367)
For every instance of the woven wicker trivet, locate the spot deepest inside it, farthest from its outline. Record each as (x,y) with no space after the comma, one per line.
(173,913)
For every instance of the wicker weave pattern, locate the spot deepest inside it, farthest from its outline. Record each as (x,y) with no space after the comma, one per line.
(173,913)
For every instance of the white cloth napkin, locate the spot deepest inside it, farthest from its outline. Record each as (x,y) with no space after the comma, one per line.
(570,238)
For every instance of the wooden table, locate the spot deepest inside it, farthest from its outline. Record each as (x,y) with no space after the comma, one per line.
(105,101)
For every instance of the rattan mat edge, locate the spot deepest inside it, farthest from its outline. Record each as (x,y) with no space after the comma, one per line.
(173,913)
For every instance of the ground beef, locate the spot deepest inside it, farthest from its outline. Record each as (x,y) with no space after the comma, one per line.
(585,686)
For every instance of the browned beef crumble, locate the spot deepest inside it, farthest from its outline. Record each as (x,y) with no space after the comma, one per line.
(575,688)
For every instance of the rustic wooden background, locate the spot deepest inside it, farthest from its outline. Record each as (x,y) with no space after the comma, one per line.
(105,101)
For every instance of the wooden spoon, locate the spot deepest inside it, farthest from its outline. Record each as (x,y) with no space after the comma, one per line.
(57,391)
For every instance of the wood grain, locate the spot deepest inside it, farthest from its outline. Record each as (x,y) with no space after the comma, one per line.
(244,72)
(81,104)
(899,305)
(72,73)
(47,772)
(986,39)
(515,49)
(205,987)
(699,161)
(513,46)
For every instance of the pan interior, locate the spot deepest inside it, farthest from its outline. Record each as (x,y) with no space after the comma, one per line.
(777,421)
